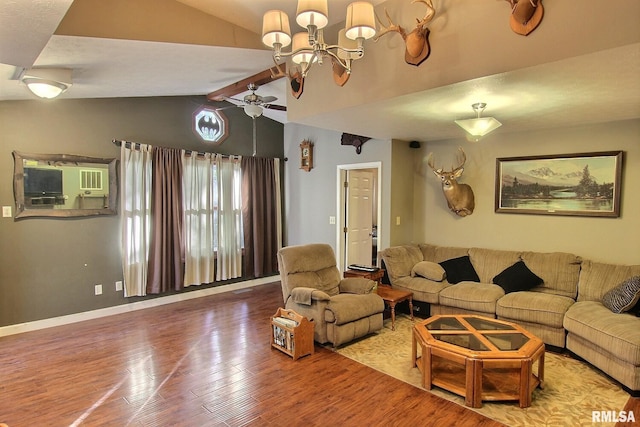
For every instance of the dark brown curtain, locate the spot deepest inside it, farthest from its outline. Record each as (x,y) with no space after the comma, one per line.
(259,216)
(166,250)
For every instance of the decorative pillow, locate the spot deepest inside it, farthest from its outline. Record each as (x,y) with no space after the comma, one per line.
(428,270)
(516,278)
(624,296)
(459,270)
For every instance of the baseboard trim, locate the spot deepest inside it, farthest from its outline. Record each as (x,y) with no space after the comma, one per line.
(125,308)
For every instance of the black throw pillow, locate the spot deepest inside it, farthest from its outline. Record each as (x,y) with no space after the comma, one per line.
(518,277)
(460,270)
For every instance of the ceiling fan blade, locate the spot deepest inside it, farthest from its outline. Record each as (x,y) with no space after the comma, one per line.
(228,98)
(267,99)
(275,107)
(226,108)
(261,78)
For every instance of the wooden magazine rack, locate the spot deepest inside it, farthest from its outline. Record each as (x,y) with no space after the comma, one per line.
(292,333)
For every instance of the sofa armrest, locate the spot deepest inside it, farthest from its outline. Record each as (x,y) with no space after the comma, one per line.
(306,296)
(356,285)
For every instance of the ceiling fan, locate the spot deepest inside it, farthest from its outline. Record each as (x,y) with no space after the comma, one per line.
(253,104)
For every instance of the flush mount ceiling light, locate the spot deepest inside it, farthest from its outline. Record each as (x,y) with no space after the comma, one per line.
(310,47)
(47,82)
(480,126)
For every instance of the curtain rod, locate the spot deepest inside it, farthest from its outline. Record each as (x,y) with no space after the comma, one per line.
(119,142)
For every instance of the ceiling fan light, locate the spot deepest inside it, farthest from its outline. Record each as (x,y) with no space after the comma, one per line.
(252,110)
(276,29)
(47,83)
(312,13)
(361,21)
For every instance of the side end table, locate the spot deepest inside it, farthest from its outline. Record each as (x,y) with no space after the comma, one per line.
(392,297)
(372,275)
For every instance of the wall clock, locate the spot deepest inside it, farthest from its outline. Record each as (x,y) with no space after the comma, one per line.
(306,155)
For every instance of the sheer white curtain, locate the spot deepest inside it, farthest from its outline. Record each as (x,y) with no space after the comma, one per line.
(199,210)
(135,202)
(229,207)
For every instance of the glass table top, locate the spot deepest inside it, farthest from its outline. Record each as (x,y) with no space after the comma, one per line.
(472,333)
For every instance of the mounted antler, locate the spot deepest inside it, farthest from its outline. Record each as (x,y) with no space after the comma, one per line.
(391,28)
(525,15)
(460,198)
(417,41)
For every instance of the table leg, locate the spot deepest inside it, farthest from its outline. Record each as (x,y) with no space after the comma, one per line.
(525,383)
(541,370)
(411,307)
(473,386)
(414,349)
(392,306)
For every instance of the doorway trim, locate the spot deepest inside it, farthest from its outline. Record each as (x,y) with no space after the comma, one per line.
(340,208)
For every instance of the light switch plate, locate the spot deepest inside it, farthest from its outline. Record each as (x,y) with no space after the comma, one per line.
(6,212)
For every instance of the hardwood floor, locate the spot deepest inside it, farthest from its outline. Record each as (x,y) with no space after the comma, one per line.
(201,362)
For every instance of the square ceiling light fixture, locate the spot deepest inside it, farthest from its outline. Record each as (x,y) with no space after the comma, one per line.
(47,82)
(480,126)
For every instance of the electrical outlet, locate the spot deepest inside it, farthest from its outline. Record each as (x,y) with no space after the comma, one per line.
(6,212)
(98,289)
(332,220)
(119,285)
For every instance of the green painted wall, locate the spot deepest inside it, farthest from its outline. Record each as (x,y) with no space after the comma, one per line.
(49,266)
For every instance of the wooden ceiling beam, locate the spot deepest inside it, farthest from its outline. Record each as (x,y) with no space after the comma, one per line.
(263,77)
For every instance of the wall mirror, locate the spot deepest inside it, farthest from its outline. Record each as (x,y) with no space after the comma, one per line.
(64,185)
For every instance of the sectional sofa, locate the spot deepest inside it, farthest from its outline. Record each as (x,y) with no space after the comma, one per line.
(584,306)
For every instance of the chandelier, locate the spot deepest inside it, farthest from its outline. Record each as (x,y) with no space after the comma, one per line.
(310,47)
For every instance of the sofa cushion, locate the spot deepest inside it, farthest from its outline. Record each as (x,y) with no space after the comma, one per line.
(624,296)
(460,269)
(428,270)
(517,277)
(424,290)
(472,296)
(489,262)
(398,260)
(534,307)
(428,251)
(558,270)
(443,253)
(596,278)
(619,334)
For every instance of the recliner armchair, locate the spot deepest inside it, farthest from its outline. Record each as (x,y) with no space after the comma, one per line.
(342,309)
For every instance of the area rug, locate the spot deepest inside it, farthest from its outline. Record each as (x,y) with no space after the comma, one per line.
(572,388)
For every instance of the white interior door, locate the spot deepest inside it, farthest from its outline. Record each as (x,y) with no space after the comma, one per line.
(359,217)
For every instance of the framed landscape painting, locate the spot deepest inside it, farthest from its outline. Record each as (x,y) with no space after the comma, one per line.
(586,184)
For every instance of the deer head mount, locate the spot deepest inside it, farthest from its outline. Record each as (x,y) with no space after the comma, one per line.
(460,198)
(525,15)
(417,41)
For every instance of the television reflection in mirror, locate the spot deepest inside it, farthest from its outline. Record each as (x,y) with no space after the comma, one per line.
(63,185)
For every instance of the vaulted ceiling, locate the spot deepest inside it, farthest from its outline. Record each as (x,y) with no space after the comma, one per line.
(565,73)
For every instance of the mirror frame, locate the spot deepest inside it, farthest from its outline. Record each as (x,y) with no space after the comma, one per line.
(18,186)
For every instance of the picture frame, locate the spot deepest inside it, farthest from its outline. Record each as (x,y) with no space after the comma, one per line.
(579,184)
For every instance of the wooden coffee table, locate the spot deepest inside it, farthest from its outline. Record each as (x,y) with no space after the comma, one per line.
(478,358)
(392,297)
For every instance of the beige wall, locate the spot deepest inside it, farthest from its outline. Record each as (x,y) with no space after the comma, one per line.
(602,239)
(468,41)
(311,197)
